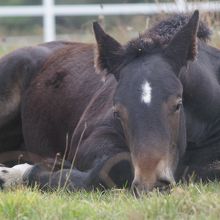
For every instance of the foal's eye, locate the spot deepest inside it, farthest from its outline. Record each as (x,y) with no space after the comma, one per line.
(178,106)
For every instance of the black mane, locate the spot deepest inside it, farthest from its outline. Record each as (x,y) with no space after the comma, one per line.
(165,30)
(160,35)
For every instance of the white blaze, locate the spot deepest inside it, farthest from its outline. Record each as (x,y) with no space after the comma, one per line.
(146,92)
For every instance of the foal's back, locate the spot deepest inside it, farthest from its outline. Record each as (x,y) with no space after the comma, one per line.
(17,69)
(68,79)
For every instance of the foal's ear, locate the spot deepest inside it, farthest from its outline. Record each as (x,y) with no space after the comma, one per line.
(109,52)
(183,47)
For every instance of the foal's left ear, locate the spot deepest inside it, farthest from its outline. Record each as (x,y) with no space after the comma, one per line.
(183,47)
(109,52)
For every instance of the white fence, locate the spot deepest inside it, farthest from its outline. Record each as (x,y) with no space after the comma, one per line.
(49,10)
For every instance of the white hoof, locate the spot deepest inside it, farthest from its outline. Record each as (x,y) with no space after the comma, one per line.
(10,177)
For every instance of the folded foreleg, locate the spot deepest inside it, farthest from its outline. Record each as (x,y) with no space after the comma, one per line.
(110,172)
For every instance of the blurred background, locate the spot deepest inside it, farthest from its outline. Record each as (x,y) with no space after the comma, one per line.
(18,31)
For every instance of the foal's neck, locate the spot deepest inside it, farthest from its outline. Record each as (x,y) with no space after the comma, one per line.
(201,94)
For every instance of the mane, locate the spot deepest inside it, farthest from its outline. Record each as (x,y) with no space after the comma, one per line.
(161,34)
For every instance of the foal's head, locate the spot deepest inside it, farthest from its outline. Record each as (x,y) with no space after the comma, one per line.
(148,99)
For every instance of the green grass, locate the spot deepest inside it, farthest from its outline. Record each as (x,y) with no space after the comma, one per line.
(196,201)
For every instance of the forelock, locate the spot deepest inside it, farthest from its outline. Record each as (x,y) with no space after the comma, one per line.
(160,35)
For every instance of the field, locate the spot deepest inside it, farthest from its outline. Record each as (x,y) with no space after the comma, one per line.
(123,28)
(195,201)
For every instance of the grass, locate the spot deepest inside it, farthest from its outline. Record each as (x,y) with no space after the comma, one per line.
(195,201)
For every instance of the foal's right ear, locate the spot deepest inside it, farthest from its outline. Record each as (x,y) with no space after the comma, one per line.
(109,52)
(183,46)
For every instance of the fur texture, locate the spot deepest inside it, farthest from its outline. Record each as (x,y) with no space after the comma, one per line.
(162,33)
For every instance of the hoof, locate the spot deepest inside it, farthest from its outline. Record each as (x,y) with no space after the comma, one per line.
(10,177)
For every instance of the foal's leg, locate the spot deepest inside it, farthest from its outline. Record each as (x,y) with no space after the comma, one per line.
(110,172)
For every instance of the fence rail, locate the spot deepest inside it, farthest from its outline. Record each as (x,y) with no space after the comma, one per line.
(48,10)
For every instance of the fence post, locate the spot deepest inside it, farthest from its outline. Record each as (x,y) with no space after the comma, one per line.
(49,21)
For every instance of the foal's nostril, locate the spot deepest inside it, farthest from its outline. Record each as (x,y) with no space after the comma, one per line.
(138,188)
(163,184)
